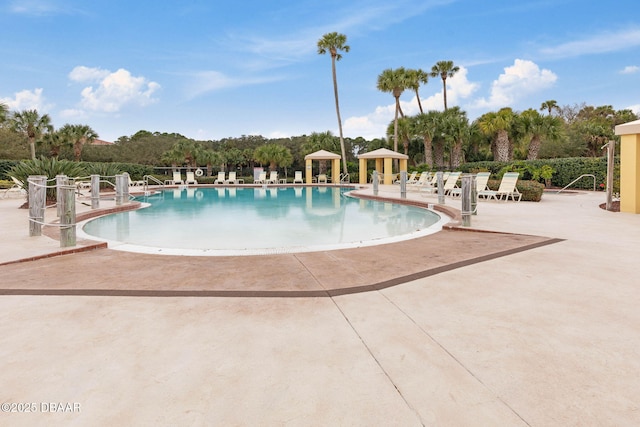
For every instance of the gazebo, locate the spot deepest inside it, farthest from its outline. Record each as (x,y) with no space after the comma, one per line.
(384,164)
(321,155)
(629,166)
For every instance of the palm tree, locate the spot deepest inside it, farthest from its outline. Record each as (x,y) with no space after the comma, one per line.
(416,77)
(334,43)
(539,128)
(56,141)
(320,141)
(444,69)
(32,126)
(394,82)
(426,126)
(78,135)
(273,154)
(209,158)
(455,126)
(550,106)
(404,132)
(498,125)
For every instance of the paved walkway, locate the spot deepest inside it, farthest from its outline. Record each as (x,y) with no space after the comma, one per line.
(544,336)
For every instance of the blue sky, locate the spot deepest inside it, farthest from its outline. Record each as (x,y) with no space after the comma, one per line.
(210,69)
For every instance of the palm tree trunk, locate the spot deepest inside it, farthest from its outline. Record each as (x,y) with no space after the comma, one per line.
(419,103)
(444,91)
(456,154)
(335,92)
(534,148)
(32,147)
(502,146)
(428,153)
(438,154)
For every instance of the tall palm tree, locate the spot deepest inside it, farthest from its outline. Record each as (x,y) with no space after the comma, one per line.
(426,126)
(538,128)
(417,77)
(78,135)
(455,126)
(334,43)
(32,126)
(394,82)
(550,105)
(497,125)
(444,69)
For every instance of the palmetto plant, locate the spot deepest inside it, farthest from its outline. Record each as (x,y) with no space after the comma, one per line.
(49,168)
(273,154)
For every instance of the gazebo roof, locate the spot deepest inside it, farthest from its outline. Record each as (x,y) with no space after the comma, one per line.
(382,153)
(628,128)
(322,155)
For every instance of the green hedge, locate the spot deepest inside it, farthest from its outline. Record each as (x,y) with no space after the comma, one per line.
(565,170)
(5,167)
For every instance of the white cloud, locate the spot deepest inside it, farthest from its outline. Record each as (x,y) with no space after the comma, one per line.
(84,74)
(598,43)
(630,69)
(635,108)
(27,100)
(520,79)
(72,113)
(374,124)
(114,90)
(209,81)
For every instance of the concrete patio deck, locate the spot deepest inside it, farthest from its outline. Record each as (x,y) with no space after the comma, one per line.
(517,330)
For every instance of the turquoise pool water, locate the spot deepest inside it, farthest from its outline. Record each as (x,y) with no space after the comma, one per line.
(233,221)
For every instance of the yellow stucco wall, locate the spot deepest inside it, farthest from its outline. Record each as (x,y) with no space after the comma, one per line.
(630,173)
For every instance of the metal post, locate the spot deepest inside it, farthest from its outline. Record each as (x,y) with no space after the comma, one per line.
(95,191)
(440,187)
(403,184)
(119,189)
(60,181)
(474,196)
(466,200)
(611,153)
(374,177)
(37,200)
(68,217)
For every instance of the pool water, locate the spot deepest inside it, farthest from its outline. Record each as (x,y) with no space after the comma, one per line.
(233,221)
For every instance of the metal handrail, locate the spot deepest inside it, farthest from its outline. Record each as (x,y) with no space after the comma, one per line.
(146,179)
(344,177)
(581,176)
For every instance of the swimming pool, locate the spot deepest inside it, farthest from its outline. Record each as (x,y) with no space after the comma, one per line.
(250,221)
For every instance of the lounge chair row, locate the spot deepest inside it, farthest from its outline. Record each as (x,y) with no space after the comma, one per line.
(427,184)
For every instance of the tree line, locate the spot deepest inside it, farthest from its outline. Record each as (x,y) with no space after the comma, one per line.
(433,140)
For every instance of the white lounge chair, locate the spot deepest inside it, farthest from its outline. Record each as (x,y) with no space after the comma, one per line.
(449,183)
(17,189)
(262,178)
(220,178)
(177,179)
(481,184)
(191,178)
(233,179)
(507,189)
(273,177)
(298,178)
(411,179)
(322,178)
